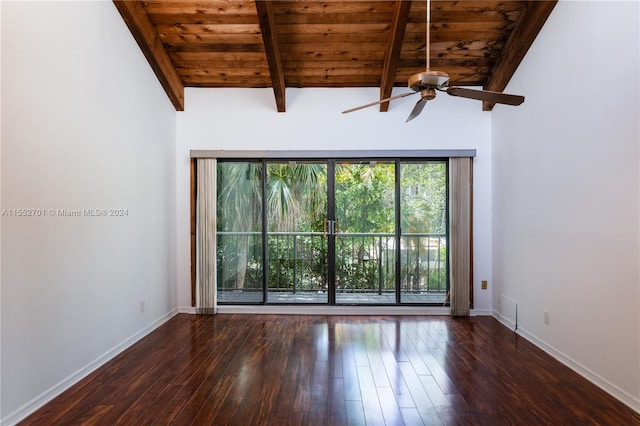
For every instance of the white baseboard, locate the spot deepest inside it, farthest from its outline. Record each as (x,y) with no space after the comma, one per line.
(604,384)
(55,390)
(186,310)
(480,312)
(504,320)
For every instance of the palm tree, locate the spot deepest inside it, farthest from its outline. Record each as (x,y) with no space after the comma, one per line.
(295,197)
(239,210)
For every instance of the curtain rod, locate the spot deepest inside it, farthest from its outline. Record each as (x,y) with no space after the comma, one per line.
(342,154)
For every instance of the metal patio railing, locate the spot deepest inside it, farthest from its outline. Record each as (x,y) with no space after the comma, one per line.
(365,262)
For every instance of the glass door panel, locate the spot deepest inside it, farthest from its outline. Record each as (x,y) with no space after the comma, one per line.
(326,232)
(365,232)
(296,213)
(239,232)
(423,240)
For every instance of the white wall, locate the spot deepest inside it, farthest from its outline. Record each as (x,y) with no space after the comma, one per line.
(566,194)
(85,124)
(237,119)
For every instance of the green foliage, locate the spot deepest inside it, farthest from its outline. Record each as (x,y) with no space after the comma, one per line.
(365,197)
(239,188)
(296,196)
(297,262)
(423,197)
(296,206)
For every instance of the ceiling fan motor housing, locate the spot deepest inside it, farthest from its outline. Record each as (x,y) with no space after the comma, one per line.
(428,94)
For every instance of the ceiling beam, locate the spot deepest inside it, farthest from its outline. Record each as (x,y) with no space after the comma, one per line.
(270,40)
(394,46)
(529,25)
(147,38)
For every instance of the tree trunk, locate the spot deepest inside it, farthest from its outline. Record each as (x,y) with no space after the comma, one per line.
(241,268)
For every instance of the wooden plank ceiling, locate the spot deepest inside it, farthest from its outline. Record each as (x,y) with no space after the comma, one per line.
(305,43)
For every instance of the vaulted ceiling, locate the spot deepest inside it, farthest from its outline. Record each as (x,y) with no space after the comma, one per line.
(306,43)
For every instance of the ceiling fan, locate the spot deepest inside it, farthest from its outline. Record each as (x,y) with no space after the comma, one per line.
(427,83)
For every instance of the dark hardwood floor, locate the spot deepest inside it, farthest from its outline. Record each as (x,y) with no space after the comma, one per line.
(333,370)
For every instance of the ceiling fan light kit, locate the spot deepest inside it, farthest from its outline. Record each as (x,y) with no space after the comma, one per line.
(429,78)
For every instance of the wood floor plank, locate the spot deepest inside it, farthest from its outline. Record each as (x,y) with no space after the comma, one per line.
(337,405)
(349,369)
(400,389)
(427,410)
(410,416)
(435,394)
(355,413)
(378,370)
(396,380)
(390,410)
(333,370)
(370,400)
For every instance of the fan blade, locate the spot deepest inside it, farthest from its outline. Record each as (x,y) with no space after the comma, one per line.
(417,110)
(486,95)
(378,102)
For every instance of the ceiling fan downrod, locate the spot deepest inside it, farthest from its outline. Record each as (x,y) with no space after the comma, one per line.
(428,78)
(428,37)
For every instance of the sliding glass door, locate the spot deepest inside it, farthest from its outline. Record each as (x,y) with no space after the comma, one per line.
(296,214)
(365,246)
(332,231)
(423,236)
(240,254)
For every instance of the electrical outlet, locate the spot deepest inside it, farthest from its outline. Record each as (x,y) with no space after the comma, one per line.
(483,284)
(547,317)
(141,306)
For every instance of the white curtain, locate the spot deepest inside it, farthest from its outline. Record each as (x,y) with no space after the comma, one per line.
(460,235)
(206,236)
